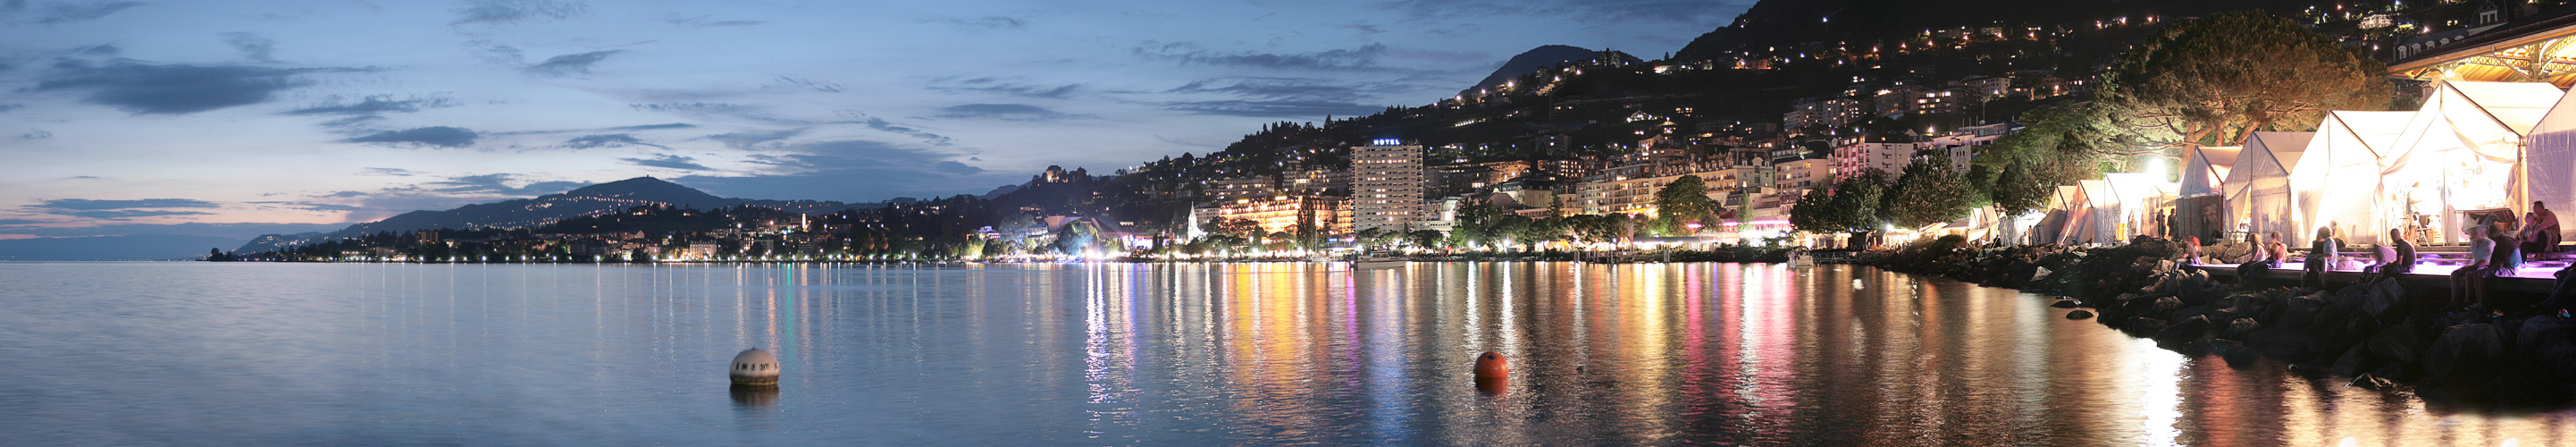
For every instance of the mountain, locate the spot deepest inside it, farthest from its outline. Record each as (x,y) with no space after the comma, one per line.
(1819,24)
(141,247)
(590,200)
(1545,56)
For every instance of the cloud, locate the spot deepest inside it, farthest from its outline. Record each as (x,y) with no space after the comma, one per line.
(668,161)
(753,140)
(986,22)
(127,214)
(569,64)
(35,134)
(4,107)
(252,46)
(607,140)
(94,205)
(1004,112)
(882,125)
(502,12)
(703,107)
(178,88)
(500,184)
(105,49)
(1273,97)
(60,13)
(1363,28)
(656,126)
(1362,58)
(388,172)
(311,206)
(372,104)
(1700,14)
(233,230)
(439,136)
(990,85)
(788,82)
(352,122)
(850,170)
(705,22)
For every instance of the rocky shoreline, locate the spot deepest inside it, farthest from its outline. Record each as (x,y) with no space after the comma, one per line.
(2374,334)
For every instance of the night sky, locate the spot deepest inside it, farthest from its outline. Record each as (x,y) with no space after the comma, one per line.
(243,117)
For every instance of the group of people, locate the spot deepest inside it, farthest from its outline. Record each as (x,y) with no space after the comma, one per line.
(2493,252)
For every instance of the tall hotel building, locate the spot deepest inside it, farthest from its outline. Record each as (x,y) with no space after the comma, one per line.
(1386,185)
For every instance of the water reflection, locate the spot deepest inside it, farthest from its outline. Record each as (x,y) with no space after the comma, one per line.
(1137,354)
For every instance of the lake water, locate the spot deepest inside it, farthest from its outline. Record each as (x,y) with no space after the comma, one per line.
(1193,354)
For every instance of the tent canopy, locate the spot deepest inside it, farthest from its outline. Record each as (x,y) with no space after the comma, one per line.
(2462,151)
(2547,162)
(2258,189)
(2336,178)
(2205,170)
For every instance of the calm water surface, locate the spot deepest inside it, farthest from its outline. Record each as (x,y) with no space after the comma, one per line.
(198,353)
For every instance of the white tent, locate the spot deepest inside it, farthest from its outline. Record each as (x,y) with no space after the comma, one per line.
(2107,214)
(2258,188)
(2077,222)
(2550,161)
(2462,151)
(2335,178)
(2205,170)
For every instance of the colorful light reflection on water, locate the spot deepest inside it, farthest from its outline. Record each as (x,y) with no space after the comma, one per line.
(1132,354)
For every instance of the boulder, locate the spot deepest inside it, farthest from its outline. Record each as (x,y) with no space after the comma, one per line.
(2549,344)
(2464,352)
(2366,380)
(2166,305)
(2184,331)
(2236,354)
(2400,343)
(2285,343)
(2239,328)
(2396,371)
(2353,362)
(2143,326)
(2078,314)
(2063,304)
(2383,298)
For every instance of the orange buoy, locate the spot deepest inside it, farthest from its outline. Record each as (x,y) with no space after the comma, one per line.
(1493,386)
(1492,366)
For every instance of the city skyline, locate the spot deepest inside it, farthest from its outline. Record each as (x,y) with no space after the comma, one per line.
(241,118)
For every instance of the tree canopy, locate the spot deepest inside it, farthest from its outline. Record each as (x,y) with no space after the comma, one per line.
(2212,81)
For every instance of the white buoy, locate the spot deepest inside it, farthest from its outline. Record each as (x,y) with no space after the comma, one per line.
(755,368)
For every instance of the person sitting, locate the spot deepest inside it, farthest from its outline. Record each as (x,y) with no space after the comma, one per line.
(2481,248)
(2503,263)
(2257,259)
(2322,253)
(2190,250)
(2404,261)
(2274,250)
(2539,230)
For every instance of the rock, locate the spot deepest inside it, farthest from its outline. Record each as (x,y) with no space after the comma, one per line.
(2039,273)
(2236,354)
(2239,328)
(2400,343)
(2167,305)
(2143,326)
(2383,298)
(2185,331)
(2353,362)
(2298,311)
(2395,371)
(2549,343)
(2063,304)
(2078,314)
(2372,382)
(2285,343)
(2466,351)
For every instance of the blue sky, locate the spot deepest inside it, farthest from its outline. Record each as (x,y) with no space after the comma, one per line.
(236,118)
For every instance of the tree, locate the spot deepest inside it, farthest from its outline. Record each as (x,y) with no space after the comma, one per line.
(1426,239)
(1928,193)
(1813,213)
(2211,81)
(1682,203)
(2017,192)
